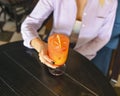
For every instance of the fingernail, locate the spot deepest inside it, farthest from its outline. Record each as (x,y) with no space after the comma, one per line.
(53,62)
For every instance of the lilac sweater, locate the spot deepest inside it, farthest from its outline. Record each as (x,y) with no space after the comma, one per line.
(96,29)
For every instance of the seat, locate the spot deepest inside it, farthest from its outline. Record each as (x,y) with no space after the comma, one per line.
(114,69)
(17,10)
(1,22)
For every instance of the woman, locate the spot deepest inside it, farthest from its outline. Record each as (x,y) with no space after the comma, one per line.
(95,17)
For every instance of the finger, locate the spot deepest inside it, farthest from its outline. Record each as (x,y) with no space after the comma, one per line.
(46,57)
(47,63)
(50,65)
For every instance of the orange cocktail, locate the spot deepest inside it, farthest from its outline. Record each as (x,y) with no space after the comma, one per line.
(58,45)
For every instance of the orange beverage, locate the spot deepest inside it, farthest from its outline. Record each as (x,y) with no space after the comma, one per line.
(58,45)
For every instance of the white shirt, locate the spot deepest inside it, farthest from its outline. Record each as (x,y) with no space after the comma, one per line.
(75,31)
(96,28)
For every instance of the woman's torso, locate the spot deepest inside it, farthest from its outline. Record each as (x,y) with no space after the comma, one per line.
(93,18)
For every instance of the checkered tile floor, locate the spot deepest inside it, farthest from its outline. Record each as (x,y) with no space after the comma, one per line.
(9,33)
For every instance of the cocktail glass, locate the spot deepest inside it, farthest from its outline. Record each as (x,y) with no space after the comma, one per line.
(58,46)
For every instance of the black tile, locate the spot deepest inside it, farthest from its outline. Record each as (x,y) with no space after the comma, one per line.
(1,26)
(6,36)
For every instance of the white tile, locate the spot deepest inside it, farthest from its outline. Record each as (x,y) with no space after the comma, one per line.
(42,31)
(10,26)
(2,43)
(16,37)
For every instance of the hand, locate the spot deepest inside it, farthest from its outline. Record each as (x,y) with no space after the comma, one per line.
(41,48)
(44,58)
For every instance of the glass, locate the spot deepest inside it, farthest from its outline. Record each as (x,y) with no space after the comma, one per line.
(58,46)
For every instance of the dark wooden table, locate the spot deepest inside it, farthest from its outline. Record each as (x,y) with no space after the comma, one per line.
(22,74)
